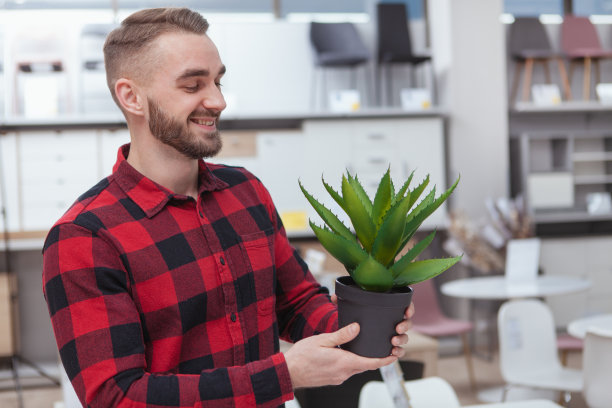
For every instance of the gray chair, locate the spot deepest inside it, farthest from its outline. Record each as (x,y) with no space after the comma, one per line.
(395,45)
(528,45)
(337,45)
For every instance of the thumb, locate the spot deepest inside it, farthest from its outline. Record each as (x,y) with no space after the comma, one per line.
(344,335)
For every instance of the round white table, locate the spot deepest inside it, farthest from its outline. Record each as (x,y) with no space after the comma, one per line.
(498,287)
(579,327)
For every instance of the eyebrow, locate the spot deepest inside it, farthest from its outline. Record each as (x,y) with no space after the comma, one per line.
(189,73)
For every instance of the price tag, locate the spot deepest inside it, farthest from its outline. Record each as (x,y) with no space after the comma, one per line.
(394,380)
(294,220)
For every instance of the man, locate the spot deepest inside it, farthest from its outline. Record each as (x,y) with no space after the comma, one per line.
(170,282)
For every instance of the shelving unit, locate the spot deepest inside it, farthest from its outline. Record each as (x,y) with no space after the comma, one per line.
(560,157)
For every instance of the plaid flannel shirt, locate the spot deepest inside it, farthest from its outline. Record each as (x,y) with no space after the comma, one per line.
(157,299)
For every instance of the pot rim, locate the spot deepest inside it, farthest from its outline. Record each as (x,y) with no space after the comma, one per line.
(348,290)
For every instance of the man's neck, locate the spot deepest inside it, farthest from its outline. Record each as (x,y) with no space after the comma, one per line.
(164,165)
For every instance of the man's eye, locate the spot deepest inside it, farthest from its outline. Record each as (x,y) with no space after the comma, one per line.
(218,84)
(192,88)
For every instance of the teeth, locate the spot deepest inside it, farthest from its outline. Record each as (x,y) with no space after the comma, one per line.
(204,122)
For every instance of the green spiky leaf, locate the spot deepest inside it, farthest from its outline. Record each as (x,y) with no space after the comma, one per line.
(404,187)
(361,193)
(389,237)
(355,209)
(373,276)
(328,217)
(348,252)
(382,199)
(335,195)
(418,271)
(414,252)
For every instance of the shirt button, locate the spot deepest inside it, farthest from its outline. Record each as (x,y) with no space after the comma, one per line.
(233,317)
(222,260)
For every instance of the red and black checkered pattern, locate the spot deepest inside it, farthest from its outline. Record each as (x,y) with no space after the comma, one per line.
(159,300)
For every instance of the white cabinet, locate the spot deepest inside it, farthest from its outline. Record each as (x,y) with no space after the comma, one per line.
(54,169)
(367,147)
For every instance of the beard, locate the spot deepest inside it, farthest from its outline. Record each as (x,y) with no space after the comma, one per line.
(172,132)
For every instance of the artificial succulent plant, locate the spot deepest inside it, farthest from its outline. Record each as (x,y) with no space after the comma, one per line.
(383,227)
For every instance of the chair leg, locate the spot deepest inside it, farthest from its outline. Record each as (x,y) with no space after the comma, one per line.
(586,86)
(564,354)
(564,80)
(433,86)
(515,81)
(597,73)
(468,359)
(546,71)
(527,79)
(505,392)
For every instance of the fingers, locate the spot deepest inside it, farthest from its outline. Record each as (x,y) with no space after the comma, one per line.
(367,363)
(403,326)
(399,340)
(341,336)
(334,299)
(410,311)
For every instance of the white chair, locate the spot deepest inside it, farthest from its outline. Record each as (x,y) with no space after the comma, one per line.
(597,368)
(432,392)
(528,351)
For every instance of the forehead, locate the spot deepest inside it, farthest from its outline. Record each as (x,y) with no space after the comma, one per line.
(180,51)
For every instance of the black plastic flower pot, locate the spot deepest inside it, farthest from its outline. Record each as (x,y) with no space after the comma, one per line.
(377,315)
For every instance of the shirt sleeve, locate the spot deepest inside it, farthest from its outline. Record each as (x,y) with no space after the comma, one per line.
(303,306)
(99,335)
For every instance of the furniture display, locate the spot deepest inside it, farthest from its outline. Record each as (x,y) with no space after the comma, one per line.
(600,323)
(596,366)
(528,352)
(431,321)
(433,392)
(337,45)
(395,47)
(580,43)
(529,44)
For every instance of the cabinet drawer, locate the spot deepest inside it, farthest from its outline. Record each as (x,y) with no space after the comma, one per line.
(62,171)
(63,145)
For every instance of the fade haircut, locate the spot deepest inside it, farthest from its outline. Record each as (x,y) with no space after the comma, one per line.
(126,49)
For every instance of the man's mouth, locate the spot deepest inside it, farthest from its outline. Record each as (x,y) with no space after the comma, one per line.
(203,122)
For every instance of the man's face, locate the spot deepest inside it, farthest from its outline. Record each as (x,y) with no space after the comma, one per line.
(184,100)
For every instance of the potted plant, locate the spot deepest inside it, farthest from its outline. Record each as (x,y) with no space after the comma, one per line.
(376,292)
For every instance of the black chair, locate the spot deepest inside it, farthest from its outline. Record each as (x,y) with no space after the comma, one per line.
(529,44)
(337,45)
(346,395)
(395,44)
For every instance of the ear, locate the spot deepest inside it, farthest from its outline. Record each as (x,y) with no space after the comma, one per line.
(129,96)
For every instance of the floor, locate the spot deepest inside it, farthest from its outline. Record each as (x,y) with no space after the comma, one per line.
(451,368)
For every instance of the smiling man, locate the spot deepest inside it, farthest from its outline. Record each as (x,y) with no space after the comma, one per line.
(170,282)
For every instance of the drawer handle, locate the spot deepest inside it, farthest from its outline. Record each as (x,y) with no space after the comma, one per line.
(376,136)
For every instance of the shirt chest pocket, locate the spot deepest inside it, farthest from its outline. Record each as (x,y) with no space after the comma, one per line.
(258,249)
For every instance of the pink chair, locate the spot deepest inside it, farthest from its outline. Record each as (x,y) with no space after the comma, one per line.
(580,43)
(431,321)
(567,343)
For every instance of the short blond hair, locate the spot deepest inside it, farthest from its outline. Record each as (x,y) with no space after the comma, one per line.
(125,49)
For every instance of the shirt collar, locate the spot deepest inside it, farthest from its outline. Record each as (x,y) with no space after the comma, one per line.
(150,196)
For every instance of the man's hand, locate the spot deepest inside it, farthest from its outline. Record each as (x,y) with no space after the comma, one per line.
(316,361)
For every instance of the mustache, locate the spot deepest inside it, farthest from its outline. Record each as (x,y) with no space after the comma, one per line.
(205,112)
